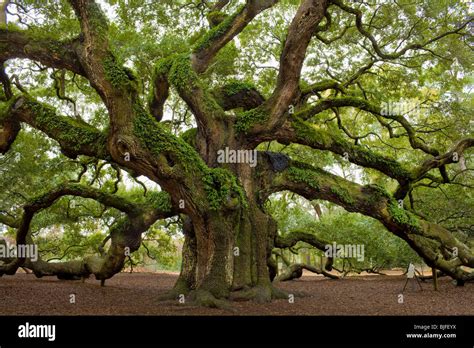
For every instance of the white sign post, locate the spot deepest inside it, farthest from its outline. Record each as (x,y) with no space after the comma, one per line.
(411,274)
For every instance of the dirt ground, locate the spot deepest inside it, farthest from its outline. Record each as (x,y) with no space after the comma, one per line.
(137,294)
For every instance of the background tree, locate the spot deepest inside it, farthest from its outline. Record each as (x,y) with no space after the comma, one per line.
(120,91)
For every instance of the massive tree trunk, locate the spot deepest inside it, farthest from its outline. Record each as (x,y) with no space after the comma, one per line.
(228,252)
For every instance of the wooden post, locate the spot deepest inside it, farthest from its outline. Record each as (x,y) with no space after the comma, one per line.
(435,278)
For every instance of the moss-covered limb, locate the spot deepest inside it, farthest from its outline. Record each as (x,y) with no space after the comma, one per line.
(181,74)
(219,35)
(74,189)
(158,203)
(215,18)
(189,136)
(368,106)
(346,101)
(126,238)
(178,72)
(16,43)
(117,74)
(160,87)
(89,55)
(438,247)
(74,137)
(301,132)
(247,120)
(238,94)
(124,234)
(223,189)
(324,185)
(9,221)
(116,85)
(160,142)
(213,188)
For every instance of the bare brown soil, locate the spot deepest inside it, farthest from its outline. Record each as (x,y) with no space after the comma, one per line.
(138,293)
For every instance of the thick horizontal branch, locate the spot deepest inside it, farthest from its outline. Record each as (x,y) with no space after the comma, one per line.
(438,247)
(295,271)
(16,43)
(74,189)
(74,137)
(298,131)
(320,87)
(294,237)
(126,233)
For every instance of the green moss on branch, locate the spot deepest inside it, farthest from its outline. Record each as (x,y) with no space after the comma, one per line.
(160,200)
(343,195)
(247,119)
(181,74)
(67,131)
(216,32)
(216,17)
(234,87)
(189,136)
(163,66)
(116,73)
(160,141)
(305,176)
(220,185)
(403,217)
(222,188)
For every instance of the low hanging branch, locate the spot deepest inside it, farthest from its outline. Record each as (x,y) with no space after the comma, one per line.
(430,240)
(296,271)
(125,234)
(294,237)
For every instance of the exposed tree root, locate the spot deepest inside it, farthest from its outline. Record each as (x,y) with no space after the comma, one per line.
(259,294)
(279,294)
(206,299)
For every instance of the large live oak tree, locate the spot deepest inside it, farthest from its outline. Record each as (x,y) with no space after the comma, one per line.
(229,237)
